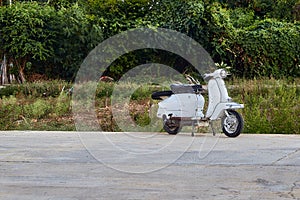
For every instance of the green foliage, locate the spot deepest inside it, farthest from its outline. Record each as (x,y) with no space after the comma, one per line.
(220,32)
(37,110)
(236,3)
(280,9)
(78,34)
(26,33)
(58,4)
(62,106)
(53,37)
(36,89)
(270,106)
(268,48)
(10,111)
(45,36)
(242,17)
(25,30)
(115,16)
(42,113)
(183,16)
(104,89)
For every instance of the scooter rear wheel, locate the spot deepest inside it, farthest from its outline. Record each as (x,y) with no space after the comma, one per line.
(171,126)
(172,129)
(232,125)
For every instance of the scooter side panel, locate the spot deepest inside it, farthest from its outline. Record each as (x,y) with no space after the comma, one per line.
(179,105)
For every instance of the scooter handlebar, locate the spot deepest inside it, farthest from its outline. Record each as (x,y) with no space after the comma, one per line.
(219,73)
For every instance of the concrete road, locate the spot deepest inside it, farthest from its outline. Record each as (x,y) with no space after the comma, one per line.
(69,166)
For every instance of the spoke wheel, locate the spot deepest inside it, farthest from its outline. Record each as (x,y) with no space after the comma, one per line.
(232,125)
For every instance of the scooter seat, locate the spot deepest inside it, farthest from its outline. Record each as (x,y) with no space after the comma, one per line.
(160,95)
(185,88)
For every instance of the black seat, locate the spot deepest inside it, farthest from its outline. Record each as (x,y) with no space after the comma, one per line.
(159,95)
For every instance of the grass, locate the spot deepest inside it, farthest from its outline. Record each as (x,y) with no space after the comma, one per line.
(271,106)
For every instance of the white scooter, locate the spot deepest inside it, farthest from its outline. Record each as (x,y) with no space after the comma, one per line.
(184,104)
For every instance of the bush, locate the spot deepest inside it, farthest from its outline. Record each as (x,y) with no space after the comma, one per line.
(38,109)
(271,106)
(268,48)
(36,89)
(242,17)
(104,89)
(10,111)
(62,106)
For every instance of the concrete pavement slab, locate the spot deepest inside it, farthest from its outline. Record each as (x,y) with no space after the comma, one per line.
(70,165)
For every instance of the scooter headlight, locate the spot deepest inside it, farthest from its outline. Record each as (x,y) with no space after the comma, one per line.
(223,73)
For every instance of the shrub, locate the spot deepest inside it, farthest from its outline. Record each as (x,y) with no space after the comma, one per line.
(62,106)
(104,89)
(38,109)
(242,17)
(36,89)
(271,106)
(10,111)
(268,48)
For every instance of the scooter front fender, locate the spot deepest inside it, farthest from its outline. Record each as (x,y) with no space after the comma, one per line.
(221,107)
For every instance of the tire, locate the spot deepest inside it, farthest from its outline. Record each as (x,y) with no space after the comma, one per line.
(158,95)
(233,124)
(172,127)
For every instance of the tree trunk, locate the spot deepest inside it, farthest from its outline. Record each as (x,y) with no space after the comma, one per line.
(21,67)
(22,75)
(4,79)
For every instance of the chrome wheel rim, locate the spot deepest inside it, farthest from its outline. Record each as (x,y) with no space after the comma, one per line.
(231,124)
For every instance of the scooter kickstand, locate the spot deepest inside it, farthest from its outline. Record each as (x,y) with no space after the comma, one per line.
(193,130)
(212,128)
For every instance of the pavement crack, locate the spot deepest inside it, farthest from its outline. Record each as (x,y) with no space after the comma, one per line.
(286,156)
(291,192)
(15,161)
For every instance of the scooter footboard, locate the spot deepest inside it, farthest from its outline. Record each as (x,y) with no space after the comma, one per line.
(221,107)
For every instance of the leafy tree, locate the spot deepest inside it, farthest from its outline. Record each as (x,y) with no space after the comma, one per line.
(26,34)
(115,16)
(180,15)
(242,17)
(284,10)
(54,41)
(54,36)
(77,35)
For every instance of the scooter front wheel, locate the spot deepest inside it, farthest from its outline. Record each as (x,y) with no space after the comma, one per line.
(232,124)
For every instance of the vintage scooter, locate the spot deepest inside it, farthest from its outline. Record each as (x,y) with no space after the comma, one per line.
(184,104)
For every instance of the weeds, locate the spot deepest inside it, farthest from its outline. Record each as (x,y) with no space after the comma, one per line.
(271,106)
